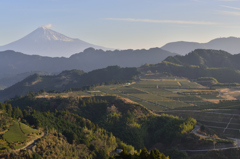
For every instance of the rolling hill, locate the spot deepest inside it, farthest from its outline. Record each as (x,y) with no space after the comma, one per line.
(230,44)
(208,58)
(200,63)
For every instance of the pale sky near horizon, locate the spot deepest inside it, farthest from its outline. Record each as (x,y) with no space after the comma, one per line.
(123,24)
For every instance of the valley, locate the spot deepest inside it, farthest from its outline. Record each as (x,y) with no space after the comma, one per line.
(122,79)
(173,107)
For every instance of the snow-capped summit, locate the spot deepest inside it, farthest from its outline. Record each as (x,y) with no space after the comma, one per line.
(46,42)
(44,33)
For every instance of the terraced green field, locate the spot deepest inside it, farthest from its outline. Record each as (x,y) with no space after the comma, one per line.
(155,84)
(223,124)
(190,85)
(170,93)
(14,134)
(159,76)
(27,130)
(130,90)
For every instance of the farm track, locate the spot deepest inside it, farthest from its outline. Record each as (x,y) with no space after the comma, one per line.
(218,122)
(236,141)
(30,144)
(3,132)
(203,112)
(228,124)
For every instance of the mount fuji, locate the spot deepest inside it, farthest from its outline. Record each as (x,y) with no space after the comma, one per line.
(46,42)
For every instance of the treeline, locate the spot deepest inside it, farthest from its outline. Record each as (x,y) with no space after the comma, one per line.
(13,112)
(90,87)
(194,72)
(199,93)
(144,154)
(207,58)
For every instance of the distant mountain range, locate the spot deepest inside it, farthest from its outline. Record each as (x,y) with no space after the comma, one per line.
(208,58)
(199,63)
(220,65)
(46,42)
(230,44)
(14,63)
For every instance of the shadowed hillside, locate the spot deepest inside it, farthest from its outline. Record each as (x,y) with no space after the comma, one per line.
(208,58)
(13,63)
(69,79)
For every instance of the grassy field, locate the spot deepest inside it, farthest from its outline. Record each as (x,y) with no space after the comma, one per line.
(17,136)
(18,146)
(14,134)
(27,130)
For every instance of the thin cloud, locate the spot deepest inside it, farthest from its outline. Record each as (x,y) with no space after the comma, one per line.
(232,27)
(230,7)
(47,26)
(230,13)
(162,21)
(228,0)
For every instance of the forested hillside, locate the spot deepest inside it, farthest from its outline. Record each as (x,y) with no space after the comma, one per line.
(207,58)
(130,122)
(81,138)
(194,72)
(70,79)
(67,135)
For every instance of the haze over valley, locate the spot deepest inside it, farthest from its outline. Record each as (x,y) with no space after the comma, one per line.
(139,80)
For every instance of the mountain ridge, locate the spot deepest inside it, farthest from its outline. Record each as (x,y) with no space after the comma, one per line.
(13,63)
(207,58)
(230,44)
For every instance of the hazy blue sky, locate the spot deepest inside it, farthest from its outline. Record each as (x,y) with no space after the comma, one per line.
(123,24)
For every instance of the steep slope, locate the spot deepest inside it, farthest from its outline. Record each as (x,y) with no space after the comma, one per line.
(207,58)
(230,44)
(46,42)
(13,63)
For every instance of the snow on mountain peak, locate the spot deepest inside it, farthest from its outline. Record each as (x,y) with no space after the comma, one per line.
(44,33)
(46,42)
